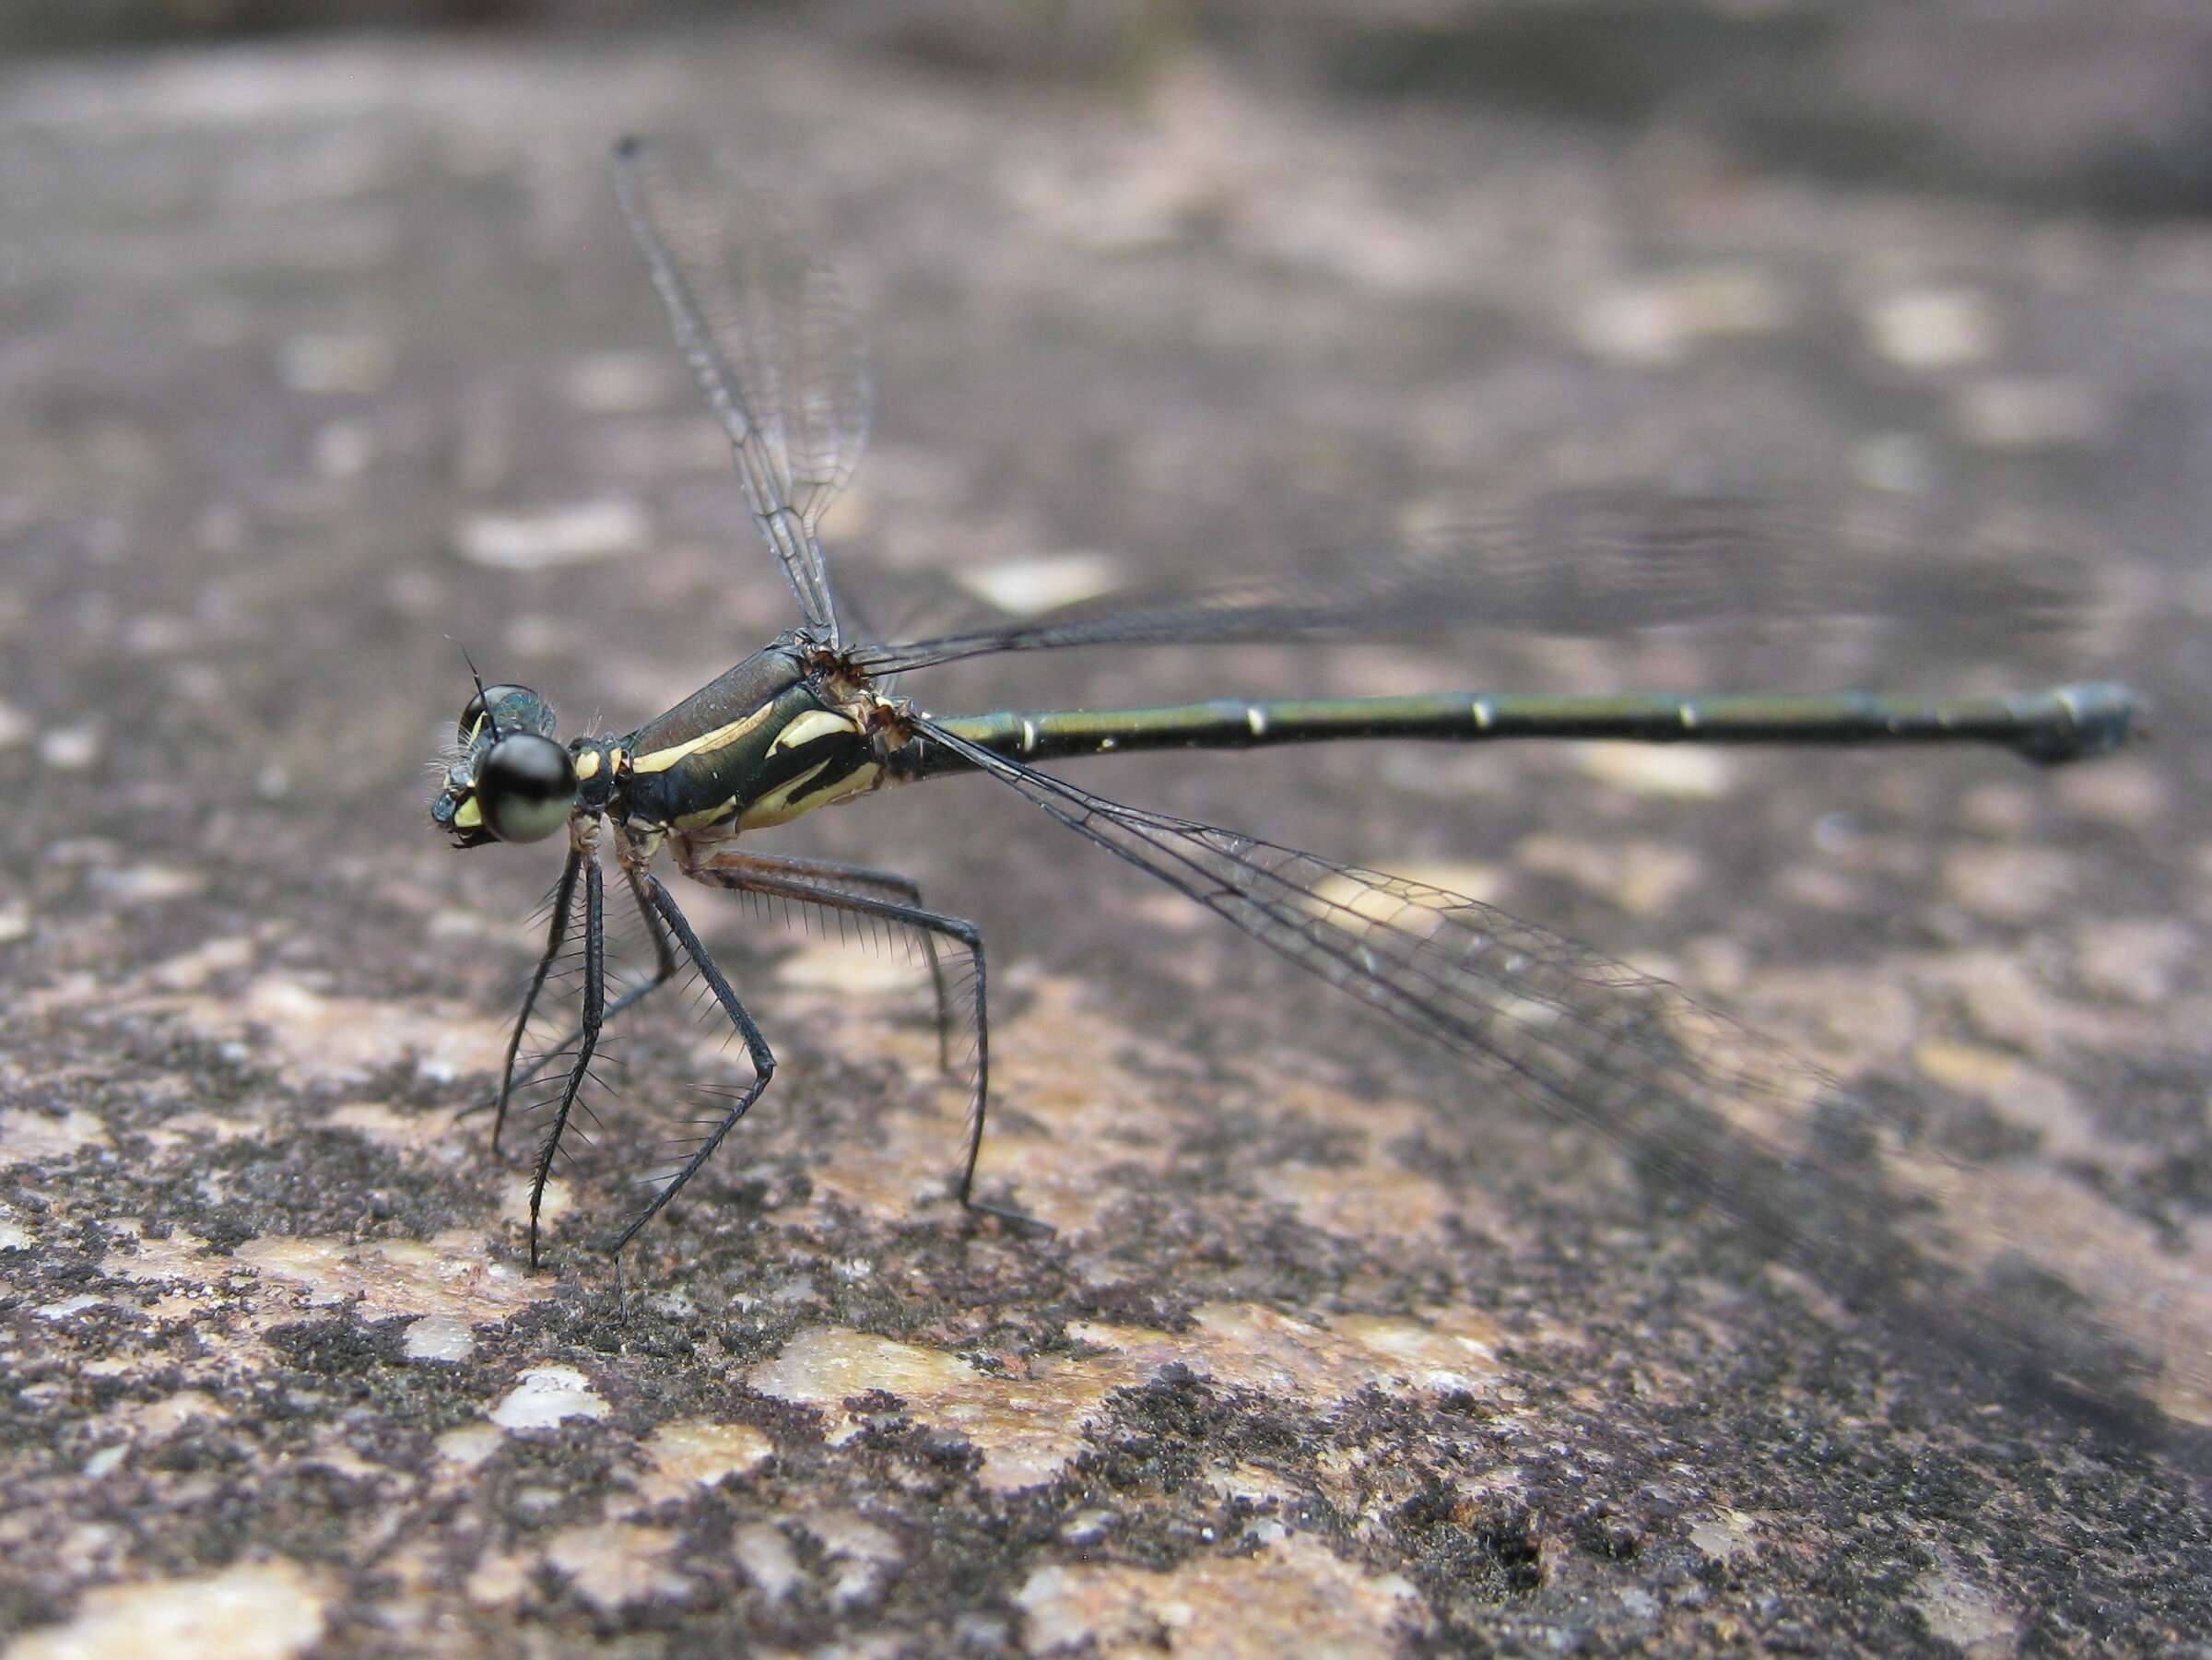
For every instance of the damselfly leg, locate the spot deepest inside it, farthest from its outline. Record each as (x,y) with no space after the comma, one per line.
(824,883)
(562,904)
(763,1059)
(834,876)
(791,880)
(587,1039)
(664,965)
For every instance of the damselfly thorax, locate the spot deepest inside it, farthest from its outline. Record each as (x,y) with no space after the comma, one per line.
(790,729)
(793,727)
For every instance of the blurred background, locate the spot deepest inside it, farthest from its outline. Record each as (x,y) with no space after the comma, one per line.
(327,351)
(2104,107)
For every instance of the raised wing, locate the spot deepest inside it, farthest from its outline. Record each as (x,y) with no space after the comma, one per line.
(1987,1254)
(771,337)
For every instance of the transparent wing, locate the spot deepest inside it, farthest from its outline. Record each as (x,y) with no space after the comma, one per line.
(1594,564)
(1968,1253)
(771,337)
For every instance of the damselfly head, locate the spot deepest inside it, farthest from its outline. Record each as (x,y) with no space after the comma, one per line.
(511,781)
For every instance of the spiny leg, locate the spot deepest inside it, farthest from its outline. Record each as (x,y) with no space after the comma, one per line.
(595,1004)
(834,873)
(664,966)
(763,1059)
(744,873)
(564,899)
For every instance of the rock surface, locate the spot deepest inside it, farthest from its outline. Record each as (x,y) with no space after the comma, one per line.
(326,361)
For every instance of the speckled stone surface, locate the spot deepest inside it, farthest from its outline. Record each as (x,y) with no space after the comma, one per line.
(322,362)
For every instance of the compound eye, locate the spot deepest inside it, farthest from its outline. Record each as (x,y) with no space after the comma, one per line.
(500,699)
(525,787)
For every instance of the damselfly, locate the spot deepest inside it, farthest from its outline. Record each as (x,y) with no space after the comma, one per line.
(808,720)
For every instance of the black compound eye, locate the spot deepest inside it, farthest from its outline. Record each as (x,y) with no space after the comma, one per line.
(505,701)
(525,787)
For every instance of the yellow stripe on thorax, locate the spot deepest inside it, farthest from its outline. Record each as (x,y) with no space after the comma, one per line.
(660,760)
(706,816)
(779,807)
(814,723)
